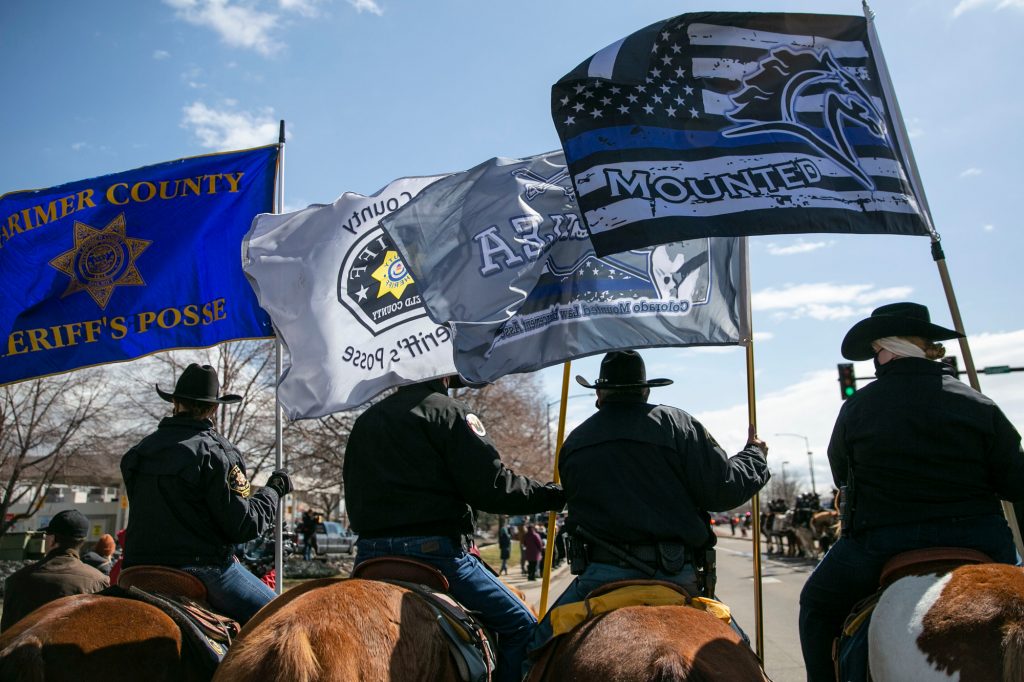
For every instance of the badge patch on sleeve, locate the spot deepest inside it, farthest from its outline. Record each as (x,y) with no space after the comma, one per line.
(475,424)
(237,481)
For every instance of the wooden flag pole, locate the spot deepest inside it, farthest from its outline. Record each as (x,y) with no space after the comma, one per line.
(278,413)
(752,415)
(972,373)
(549,550)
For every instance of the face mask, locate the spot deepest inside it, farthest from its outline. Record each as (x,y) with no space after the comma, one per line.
(878,365)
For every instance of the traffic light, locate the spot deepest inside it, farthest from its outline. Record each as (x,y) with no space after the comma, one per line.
(847,381)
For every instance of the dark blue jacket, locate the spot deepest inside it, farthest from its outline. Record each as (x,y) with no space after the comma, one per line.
(920,445)
(190,498)
(636,473)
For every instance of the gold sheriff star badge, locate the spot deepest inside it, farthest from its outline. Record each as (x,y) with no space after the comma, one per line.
(392,275)
(101,260)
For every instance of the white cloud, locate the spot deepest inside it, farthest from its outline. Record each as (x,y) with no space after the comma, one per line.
(970,172)
(914,128)
(238,25)
(968,5)
(370,6)
(799,246)
(227,129)
(79,146)
(306,8)
(161,54)
(824,301)
(988,228)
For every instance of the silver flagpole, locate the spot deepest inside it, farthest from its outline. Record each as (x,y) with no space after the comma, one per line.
(938,255)
(278,414)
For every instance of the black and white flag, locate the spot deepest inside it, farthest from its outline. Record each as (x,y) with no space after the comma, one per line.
(725,124)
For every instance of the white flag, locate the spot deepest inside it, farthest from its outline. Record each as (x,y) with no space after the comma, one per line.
(342,302)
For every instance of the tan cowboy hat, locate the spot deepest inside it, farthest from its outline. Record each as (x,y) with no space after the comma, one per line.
(623,369)
(894,319)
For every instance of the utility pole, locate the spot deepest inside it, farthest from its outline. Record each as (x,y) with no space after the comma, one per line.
(810,460)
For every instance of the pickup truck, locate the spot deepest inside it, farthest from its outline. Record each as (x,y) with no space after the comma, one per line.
(332,539)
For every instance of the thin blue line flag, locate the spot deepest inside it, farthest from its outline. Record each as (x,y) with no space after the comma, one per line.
(124,265)
(721,124)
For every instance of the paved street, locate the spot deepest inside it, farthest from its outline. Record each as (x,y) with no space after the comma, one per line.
(782,580)
(560,579)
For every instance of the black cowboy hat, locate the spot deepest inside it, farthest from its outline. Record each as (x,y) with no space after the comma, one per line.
(623,369)
(895,319)
(199,383)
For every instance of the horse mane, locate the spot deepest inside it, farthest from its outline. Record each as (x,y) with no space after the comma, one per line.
(760,98)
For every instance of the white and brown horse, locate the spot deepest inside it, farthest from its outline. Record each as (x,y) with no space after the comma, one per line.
(967,624)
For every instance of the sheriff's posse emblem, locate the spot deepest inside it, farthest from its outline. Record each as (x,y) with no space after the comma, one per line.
(101,260)
(375,286)
(810,96)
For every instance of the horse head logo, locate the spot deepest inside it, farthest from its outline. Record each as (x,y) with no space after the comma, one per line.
(808,95)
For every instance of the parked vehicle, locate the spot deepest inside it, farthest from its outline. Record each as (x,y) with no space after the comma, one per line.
(333,539)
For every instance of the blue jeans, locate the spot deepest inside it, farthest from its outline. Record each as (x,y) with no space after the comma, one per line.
(852,567)
(473,586)
(598,574)
(232,590)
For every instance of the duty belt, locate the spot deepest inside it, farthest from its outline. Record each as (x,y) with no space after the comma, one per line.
(648,554)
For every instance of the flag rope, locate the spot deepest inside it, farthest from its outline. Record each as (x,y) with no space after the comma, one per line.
(550,546)
(278,410)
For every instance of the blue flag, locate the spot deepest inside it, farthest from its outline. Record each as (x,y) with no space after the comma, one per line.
(725,124)
(124,265)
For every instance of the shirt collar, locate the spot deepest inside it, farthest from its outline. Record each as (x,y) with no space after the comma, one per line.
(903,366)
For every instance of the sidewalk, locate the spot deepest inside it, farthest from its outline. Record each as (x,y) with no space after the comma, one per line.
(560,579)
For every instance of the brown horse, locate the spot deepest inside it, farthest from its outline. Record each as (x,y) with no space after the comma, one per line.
(643,643)
(341,630)
(94,637)
(967,624)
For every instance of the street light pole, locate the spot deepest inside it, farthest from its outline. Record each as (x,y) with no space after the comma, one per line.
(810,460)
(785,490)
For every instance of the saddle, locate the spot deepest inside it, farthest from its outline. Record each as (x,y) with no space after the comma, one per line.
(467,640)
(205,634)
(849,650)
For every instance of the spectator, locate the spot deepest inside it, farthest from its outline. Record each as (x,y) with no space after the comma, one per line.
(534,545)
(101,556)
(504,547)
(308,527)
(58,574)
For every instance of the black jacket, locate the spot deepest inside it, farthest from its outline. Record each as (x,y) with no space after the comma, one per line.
(922,446)
(418,463)
(636,473)
(191,501)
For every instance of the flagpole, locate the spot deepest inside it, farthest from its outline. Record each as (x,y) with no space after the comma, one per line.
(755,501)
(936,246)
(549,549)
(278,412)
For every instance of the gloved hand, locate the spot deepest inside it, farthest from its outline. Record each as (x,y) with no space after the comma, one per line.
(280,482)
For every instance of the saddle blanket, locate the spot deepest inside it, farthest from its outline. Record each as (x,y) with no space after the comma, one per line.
(564,618)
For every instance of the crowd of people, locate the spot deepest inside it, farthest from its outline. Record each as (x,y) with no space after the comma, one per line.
(419,464)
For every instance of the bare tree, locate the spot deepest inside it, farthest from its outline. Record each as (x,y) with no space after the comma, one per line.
(45,424)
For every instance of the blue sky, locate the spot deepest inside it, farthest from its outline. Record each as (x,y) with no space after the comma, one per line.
(373,90)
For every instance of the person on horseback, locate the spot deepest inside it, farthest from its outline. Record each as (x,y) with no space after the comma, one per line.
(191,501)
(640,480)
(921,459)
(58,574)
(416,466)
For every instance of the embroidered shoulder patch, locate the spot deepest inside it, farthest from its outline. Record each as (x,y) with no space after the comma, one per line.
(476,425)
(237,481)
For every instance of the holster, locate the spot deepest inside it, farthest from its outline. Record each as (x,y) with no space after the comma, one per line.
(671,556)
(576,554)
